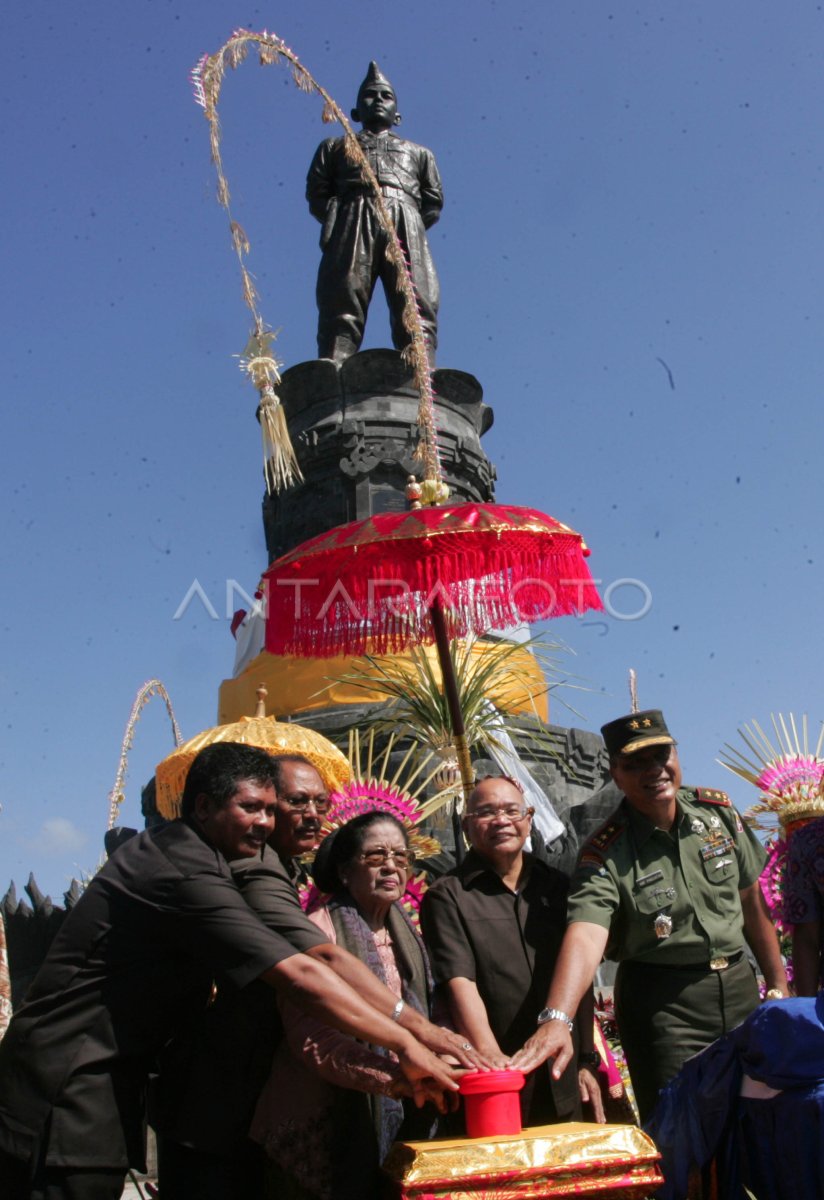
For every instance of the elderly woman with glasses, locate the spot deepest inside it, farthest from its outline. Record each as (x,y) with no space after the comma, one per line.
(329,1140)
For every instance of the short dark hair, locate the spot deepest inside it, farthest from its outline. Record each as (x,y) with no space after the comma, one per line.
(279,759)
(340,847)
(219,769)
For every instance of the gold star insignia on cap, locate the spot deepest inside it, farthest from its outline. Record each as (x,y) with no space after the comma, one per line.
(646,722)
(634,725)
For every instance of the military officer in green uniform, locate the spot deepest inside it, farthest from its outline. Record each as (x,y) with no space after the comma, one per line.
(669,888)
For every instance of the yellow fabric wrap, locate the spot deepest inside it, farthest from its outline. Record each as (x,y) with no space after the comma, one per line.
(574,1159)
(303,684)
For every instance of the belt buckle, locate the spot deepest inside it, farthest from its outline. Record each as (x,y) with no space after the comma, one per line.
(719,964)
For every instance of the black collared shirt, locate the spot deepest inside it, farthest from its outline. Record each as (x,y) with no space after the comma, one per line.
(506,942)
(132,962)
(212,1072)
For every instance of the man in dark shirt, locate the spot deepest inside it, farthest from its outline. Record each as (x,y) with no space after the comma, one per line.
(131,963)
(493,927)
(212,1073)
(354,242)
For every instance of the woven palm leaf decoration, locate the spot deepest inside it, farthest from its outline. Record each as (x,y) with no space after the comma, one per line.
(371,790)
(790,777)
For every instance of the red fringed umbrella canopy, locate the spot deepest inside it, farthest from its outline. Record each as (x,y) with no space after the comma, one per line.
(430,574)
(375,586)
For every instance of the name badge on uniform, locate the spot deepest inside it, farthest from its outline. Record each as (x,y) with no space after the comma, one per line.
(663,925)
(653,877)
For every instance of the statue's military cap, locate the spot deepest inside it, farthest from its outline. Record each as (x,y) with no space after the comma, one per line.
(636,731)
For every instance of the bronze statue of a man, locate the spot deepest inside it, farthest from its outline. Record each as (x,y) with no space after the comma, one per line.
(353,242)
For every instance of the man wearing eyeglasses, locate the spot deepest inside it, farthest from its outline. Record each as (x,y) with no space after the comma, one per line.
(493,927)
(270,883)
(131,965)
(211,1077)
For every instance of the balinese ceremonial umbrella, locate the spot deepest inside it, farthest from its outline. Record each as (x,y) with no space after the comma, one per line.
(275,737)
(431,574)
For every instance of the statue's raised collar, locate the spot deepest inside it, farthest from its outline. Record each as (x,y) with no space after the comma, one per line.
(368,135)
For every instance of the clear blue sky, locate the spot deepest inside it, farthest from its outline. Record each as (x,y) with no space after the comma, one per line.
(625,184)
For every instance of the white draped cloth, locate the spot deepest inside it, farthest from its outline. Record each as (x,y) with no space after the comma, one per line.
(502,751)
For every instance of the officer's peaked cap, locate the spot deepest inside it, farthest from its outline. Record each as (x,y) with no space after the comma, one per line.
(636,731)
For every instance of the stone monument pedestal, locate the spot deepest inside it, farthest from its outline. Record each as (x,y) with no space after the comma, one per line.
(354,428)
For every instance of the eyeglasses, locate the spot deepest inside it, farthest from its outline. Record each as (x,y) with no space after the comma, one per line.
(301,803)
(382,854)
(511,812)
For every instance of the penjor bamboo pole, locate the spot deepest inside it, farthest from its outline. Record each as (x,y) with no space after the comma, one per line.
(453,704)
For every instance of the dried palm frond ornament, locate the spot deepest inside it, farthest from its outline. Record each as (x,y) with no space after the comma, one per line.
(258,360)
(152,687)
(790,778)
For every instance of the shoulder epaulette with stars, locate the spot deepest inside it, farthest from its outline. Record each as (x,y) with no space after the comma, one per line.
(592,854)
(606,835)
(713,796)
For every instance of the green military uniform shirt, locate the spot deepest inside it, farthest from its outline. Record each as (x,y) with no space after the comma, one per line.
(630,873)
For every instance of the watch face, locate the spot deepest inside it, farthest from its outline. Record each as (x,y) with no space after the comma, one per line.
(553,1014)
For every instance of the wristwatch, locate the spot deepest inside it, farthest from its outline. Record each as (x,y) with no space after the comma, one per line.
(555,1014)
(589,1058)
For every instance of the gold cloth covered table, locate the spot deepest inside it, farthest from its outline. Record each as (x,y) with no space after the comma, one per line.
(611,1162)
